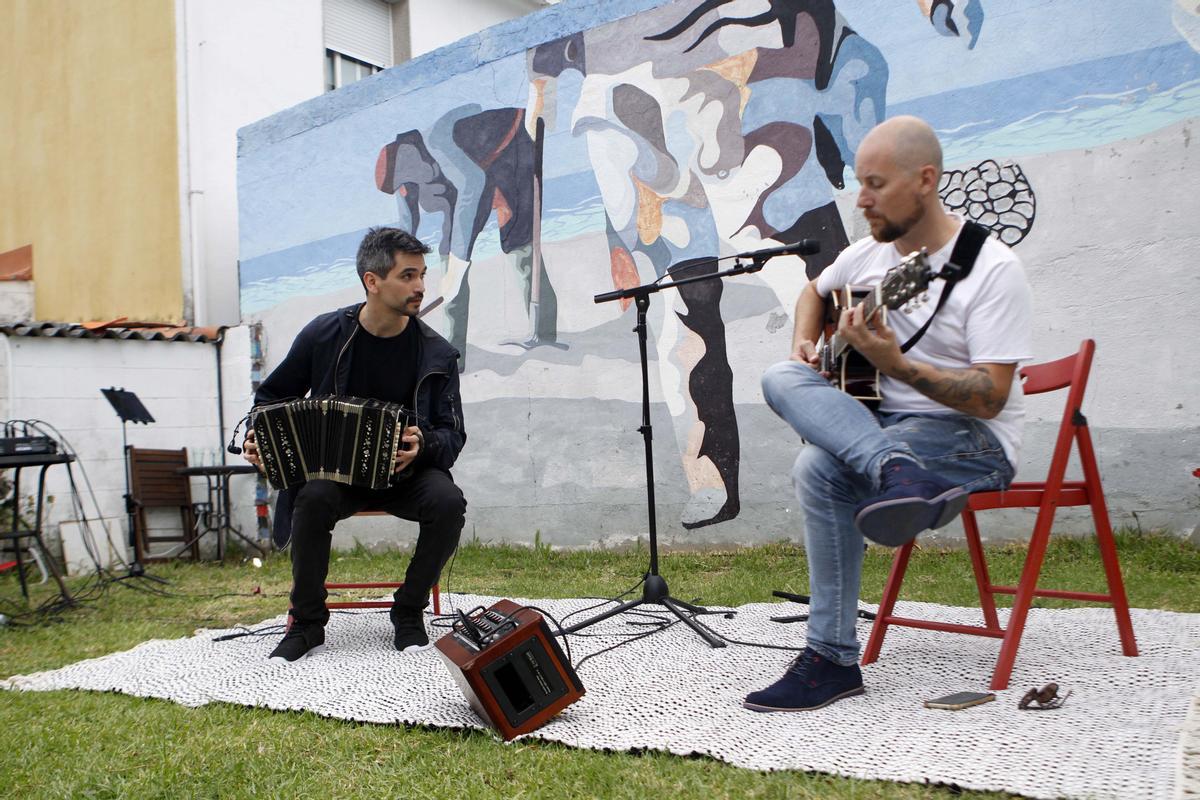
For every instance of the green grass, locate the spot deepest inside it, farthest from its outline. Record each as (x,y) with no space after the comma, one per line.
(78,744)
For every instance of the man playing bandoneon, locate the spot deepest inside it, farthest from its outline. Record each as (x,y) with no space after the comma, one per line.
(951,414)
(378,350)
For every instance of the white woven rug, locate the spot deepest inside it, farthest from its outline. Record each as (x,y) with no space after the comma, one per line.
(1124,733)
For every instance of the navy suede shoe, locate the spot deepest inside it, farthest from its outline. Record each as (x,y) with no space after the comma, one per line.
(912,500)
(812,681)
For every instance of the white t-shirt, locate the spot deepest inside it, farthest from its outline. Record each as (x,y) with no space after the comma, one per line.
(986,320)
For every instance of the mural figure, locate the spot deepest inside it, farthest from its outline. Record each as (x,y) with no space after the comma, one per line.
(1185,15)
(474,163)
(681,126)
(707,124)
(950,17)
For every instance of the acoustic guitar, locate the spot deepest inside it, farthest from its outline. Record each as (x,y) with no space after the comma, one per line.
(903,285)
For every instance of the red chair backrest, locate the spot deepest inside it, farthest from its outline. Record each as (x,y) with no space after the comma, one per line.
(1054,375)
(1070,371)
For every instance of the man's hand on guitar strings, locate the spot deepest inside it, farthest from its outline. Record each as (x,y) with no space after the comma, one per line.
(980,390)
(876,342)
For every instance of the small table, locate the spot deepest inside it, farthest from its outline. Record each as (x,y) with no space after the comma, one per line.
(16,464)
(217,516)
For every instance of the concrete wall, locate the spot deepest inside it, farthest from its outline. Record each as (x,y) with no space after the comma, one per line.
(90,175)
(58,381)
(668,139)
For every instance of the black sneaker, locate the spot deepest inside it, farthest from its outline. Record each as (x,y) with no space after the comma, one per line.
(812,681)
(410,629)
(912,499)
(299,642)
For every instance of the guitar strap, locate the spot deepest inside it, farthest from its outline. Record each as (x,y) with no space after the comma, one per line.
(962,259)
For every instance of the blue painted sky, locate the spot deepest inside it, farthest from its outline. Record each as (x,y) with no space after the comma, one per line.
(1019,37)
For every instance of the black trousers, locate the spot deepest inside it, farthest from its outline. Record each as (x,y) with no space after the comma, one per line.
(429,497)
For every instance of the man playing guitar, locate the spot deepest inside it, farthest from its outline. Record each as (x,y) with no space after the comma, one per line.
(950,419)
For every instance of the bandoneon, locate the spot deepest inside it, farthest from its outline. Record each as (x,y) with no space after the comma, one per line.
(343,439)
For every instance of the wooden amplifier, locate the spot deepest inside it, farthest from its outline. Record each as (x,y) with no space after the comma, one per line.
(509,667)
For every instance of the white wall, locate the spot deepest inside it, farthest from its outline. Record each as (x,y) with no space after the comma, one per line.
(16,301)
(436,23)
(245,61)
(59,380)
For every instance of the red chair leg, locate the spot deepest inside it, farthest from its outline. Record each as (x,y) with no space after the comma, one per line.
(987,599)
(1106,542)
(891,591)
(1024,596)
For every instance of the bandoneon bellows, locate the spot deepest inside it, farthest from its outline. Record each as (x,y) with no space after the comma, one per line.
(343,439)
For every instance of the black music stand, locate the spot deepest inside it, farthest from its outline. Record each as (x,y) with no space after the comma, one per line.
(130,409)
(654,586)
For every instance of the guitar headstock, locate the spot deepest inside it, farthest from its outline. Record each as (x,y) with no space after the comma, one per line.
(906,280)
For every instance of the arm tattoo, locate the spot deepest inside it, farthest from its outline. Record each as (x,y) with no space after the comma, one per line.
(970,390)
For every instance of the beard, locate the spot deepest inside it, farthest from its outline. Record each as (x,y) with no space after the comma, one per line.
(892,230)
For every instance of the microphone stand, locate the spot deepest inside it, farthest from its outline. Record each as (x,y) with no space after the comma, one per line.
(654,586)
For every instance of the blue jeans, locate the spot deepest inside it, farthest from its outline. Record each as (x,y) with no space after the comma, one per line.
(839,468)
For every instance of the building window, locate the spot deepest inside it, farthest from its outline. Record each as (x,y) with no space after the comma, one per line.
(342,70)
(358,40)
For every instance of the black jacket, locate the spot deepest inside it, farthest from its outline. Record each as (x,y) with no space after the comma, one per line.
(319,362)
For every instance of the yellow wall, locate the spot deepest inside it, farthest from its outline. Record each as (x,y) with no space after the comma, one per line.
(89,165)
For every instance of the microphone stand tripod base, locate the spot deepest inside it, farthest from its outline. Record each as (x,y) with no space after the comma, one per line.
(138,570)
(655,592)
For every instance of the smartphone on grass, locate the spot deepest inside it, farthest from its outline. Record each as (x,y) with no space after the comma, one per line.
(960,700)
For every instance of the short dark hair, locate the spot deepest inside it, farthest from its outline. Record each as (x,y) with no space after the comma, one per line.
(377,252)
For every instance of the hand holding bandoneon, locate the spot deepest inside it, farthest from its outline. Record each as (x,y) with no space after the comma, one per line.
(411,443)
(250,450)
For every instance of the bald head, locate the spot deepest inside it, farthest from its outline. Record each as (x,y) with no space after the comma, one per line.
(899,169)
(908,141)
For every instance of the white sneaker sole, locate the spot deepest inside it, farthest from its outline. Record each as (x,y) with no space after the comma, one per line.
(281,660)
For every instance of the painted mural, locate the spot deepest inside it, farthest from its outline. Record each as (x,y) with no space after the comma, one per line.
(652,143)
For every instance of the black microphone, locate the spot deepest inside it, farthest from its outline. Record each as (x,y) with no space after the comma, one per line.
(804,247)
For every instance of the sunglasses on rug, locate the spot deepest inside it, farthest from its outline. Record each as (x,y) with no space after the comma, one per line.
(1045,698)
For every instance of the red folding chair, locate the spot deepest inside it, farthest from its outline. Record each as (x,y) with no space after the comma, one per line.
(1046,496)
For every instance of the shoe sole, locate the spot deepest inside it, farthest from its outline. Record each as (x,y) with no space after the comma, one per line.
(415,648)
(849,693)
(897,522)
(281,660)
